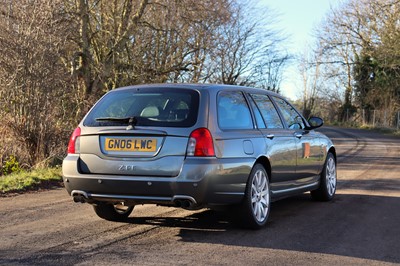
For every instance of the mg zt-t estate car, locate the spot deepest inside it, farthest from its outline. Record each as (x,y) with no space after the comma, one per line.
(195,146)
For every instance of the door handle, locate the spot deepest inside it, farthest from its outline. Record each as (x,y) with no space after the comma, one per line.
(270,136)
(298,135)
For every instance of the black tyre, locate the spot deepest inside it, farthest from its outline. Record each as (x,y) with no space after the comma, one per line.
(113,212)
(327,187)
(255,207)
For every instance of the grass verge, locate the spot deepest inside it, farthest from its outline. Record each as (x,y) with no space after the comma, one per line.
(383,130)
(30,180)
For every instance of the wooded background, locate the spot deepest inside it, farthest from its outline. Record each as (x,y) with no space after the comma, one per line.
(57,57)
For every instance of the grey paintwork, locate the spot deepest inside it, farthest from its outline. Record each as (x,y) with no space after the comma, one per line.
(293,159)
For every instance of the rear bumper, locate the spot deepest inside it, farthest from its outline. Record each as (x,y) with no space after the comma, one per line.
(201,181)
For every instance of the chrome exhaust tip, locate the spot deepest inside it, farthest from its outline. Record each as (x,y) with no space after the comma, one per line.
(79,196)
(185,202)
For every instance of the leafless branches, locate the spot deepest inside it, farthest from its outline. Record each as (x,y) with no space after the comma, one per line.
(60,56)
(361,53)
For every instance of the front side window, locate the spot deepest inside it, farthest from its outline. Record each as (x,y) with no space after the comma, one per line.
(268,111)
(291,116)
(233,111)
(149,107)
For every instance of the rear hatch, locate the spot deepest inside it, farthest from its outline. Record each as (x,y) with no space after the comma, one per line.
(138,132)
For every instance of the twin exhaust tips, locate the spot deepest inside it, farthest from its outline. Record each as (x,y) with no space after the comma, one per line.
(184,202)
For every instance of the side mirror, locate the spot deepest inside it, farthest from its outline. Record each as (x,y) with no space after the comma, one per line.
(315,122)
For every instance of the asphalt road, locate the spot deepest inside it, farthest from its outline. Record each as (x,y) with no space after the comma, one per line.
(361,226)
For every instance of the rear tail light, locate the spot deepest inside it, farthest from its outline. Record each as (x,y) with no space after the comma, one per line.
(200,143)
(73,145)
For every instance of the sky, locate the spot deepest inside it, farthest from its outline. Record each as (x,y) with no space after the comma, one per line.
(297,19)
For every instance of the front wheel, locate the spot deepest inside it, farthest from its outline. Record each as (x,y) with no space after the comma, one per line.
(255,207)
(113,212)
(327,187)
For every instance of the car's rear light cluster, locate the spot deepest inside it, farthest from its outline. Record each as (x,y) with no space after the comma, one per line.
(200,143)
(73,145)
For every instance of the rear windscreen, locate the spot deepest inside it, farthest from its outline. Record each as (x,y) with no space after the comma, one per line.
(162,107)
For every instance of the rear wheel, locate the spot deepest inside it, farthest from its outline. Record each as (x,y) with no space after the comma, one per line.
(113,212)
(327,187)
(255,207)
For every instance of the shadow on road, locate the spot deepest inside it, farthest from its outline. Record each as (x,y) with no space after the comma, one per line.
(352,225)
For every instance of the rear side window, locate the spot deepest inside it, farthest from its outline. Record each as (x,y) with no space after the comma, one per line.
(233,111)
(149,107)
(268,111)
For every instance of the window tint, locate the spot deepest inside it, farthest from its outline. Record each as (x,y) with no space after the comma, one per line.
(268,111)
(233,112)
(291,116)
(150,107)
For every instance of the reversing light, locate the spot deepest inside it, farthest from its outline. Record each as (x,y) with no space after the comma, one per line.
(200,143)
(73,145)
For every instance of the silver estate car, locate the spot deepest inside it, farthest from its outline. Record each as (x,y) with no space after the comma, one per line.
(195,146)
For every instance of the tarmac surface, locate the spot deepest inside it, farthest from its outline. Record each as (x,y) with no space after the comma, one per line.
(361,226)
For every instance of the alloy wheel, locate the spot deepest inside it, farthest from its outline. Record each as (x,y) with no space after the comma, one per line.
(260,196)
(331,176)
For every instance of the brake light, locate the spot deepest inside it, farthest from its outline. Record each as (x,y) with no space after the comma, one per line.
(73,145)
(200,143)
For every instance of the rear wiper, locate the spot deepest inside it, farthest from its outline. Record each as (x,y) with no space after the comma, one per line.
(131,121)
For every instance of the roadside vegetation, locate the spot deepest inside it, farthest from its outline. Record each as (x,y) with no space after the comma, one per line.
(59,56)
(351,73)
(23,180)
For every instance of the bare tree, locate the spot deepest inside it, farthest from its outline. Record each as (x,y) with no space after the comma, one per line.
(246,51)
(104,29)
(360,48)
(32,95)
(309,69)
(60,56)
(175,39)
(131,42)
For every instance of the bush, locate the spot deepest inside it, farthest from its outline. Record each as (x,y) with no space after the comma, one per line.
(11,165)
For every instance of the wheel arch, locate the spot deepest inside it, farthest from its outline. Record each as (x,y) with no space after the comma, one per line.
(264,161)
(255,206)
(333,151)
